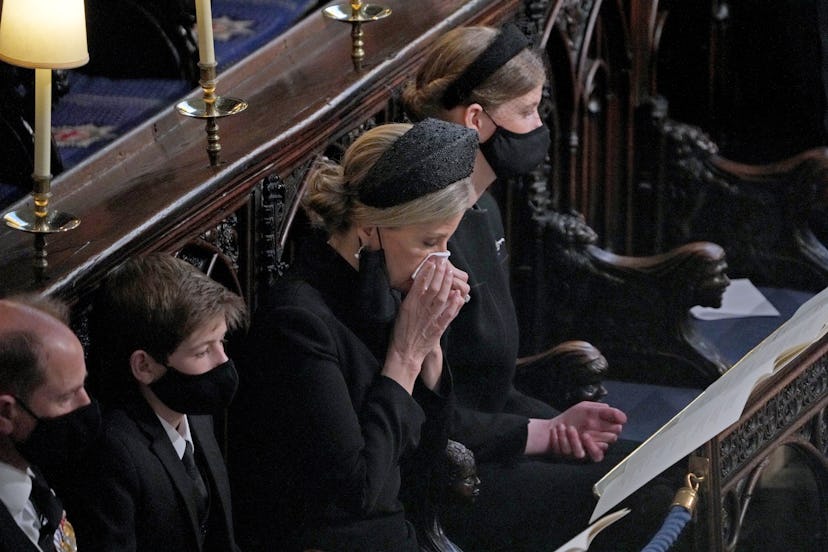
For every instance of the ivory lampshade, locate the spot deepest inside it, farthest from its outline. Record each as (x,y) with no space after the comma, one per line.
(46,34)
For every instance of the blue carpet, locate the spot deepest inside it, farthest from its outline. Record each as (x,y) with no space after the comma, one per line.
(98,110)
(648,407)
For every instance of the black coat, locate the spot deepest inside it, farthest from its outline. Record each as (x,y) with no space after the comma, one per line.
(525,503)
(318,435)
(482,344)
(134,492)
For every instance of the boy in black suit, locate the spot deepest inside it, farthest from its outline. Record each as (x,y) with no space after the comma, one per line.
(46,421)
(157,480)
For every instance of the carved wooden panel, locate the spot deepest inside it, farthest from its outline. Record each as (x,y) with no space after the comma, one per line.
(783,431)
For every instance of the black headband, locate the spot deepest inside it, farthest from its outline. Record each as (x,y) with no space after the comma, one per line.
(430,156)
(509,42)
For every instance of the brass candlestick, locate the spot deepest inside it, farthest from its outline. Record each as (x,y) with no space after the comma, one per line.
(40,220)
(356,13)
(211,108)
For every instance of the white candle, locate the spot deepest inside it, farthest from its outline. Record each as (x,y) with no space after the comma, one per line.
(43,122)
(204,26)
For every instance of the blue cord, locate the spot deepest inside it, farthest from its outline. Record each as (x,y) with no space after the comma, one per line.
(669,531)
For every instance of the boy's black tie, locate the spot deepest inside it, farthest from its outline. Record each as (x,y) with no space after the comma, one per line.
(195,475)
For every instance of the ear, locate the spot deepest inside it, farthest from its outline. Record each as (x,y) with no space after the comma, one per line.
(366,235)
(144,368)
(7,414)
(475,118)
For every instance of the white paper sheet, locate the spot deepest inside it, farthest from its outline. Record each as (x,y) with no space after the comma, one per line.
(740,300)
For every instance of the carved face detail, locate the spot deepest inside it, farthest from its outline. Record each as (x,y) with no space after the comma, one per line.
(467,488)
(711,289)
(463,482)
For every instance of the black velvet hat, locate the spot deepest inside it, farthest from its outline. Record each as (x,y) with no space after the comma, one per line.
(427,158)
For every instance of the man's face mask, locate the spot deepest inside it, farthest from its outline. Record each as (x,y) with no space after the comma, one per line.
(206,393)
(57,443)
(512,154)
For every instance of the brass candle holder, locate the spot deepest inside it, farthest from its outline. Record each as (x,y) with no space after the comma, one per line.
(211,108)
(356,13)
(41,221)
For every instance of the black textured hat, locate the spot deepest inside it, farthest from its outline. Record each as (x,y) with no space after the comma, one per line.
(428,157)
(508,43)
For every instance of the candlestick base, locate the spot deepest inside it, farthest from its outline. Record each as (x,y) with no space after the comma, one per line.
(368,12)
(222,106)
(52,223)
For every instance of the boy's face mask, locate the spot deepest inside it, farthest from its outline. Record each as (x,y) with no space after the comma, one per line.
(207,393)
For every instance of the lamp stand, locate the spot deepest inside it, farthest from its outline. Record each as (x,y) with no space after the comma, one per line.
(41,220)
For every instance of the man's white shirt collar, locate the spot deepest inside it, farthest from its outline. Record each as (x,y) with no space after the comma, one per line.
(15,488)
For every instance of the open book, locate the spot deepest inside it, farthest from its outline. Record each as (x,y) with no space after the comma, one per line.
(714,410)
(582,540)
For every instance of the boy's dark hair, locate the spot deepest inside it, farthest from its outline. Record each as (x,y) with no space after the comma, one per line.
(153,303)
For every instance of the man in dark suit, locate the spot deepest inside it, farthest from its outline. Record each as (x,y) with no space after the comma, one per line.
(46,419)
(156,480)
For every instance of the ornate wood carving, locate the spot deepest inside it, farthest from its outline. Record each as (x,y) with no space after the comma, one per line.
(776,416)
(572,21)
(760,214)
(784,421)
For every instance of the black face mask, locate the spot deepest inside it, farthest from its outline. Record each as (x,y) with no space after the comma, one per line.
(206,393)
(511,154)
(55,444)
(379,302)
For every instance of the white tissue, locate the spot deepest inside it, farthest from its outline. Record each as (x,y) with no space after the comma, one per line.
(444,254)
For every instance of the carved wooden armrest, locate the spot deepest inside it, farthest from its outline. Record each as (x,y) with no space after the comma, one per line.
(563,375)
(760,214)
(635,310)
(452,483)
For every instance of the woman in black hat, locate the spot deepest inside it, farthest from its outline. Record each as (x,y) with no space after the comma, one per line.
(537,465)
(343,365)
